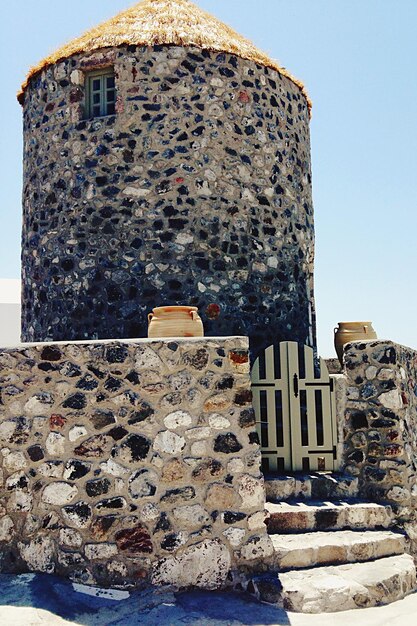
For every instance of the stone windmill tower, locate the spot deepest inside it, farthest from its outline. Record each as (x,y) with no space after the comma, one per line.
(166,161)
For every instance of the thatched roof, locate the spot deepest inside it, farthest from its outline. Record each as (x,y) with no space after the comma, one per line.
(156,22)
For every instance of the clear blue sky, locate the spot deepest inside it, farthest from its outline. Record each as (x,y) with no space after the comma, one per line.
(358,60)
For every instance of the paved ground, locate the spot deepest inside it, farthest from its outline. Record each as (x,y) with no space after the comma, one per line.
(42,600)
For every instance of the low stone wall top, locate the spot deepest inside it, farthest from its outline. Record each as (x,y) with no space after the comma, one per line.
(381,423)
(130,461)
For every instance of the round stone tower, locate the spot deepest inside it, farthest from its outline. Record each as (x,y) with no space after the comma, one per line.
(166,161)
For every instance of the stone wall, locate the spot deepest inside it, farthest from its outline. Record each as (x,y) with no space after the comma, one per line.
(128,462)
(381,425)
(198,191)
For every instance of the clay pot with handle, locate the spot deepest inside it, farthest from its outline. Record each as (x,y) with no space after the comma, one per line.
(175,321)
(351,331)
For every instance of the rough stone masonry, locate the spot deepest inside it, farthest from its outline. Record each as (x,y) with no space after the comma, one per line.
(197,191)
(129,462)
(380,427)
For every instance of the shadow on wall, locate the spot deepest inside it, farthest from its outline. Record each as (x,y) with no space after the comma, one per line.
(162,606)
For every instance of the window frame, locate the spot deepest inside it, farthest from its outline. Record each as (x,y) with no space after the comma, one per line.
(102,75)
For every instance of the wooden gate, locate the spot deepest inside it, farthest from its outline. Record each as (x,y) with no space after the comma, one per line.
(295,409)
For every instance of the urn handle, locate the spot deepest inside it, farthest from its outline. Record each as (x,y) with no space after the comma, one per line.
(194,315)
(150,318)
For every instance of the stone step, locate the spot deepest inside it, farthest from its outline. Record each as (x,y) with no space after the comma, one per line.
(310,487)
(339,587)
(335,547)
(286,517)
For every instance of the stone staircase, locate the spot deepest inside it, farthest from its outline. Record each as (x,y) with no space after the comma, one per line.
(332,552)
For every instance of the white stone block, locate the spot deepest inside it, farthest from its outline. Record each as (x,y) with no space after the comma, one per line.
(391,399)
(204,565)
(6,528)
(218,422)
(15,461)
(178,419)
(77,432)
(94,551)
(252,491)
(168,442)
(191,516)
(59,493)
(70,537)
(55,444)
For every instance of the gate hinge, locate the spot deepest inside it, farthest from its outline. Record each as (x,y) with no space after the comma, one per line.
(334,453)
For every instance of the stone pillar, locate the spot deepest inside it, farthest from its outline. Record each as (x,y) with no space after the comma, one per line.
(381,426)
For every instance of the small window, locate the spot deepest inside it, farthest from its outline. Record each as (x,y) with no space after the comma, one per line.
(100,93)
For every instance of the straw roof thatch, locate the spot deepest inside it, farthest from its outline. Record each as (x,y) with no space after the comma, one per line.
(156,22)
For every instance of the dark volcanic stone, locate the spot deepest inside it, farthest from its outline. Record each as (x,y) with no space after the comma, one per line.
(143,410)
(80,511)
(358,420)
(231,517)
(133,377)
(134,540)
(116,354)
(387,385)
(96,371)
(138,446)
(48,367)
(247,418)
(21,483)
(225,383)
(227,444)
(21,431)
(207,469)
(93,447)
(162,524)
(76,401)
(77,468)
(197,359)
(357,456)
(383,423)
(70,369)
(97,487)
(171,542)
(374,474)
(112,384)
(388,356)
(101,526)
(51,353)
(100,419)
(176,495)
(35,453)
(112,503)
(253,437)
(117,433)
(243,396)
(368,390)
(87,382)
